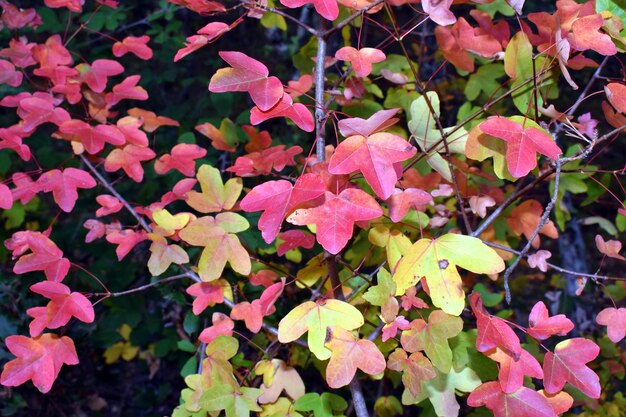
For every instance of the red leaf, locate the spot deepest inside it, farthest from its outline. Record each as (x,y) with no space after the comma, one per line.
(586,35)
(402,200)
(253,313)
(616,93)
(109,205)
(96,228)
(493,331)
(15,18)
(609,248)
(524,402)
(206,35)
(361,59)
(36,111)
(328,9)
(335,218)
(567,364)
(248,75)
(97,74)
(135,45)
(151,121)
(523,144)
(615,319)
(279,198)
(295,239)
(127,239)
(512,372)
(39,359)
(8,74)
(207,295)
(126,90)
(64,185)
(6,198)
(296,112)
(182,159)
(72,5)
(63,305)
(45,256)
(25,188)
(11,138)
(222,326)
(129,159)
(378,121)
(92,138)
(542,326)
(374,156)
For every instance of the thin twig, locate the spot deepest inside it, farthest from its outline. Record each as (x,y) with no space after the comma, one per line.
(350,18)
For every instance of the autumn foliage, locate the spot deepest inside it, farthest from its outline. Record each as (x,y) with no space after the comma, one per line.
(414,204)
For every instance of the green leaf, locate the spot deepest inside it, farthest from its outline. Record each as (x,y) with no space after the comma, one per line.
(427,136)
(324,405)
(484,80)
(235,403)
(316,318)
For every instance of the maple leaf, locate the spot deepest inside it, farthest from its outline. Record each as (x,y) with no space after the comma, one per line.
(350,353)
(64,185)
(436,260)
(512,371)
(215,196)
(441,391)
(586,35)
(493,331)
(129,159)
(609,248)
(615,320)
(151,121)
(394,241)
(542,326)
(299,87)
(378,121)
(207,294)
(402,200)
(523,143)
(222,326)
(45,256)
(39,359)
(361,59)
(428,137)
(163,255)
(63,305)
(324,405)
(6,198)
(334,219)
(567,364)
(328,9)
(247,75)
(222,139)
(127,239)
(382,295)
(415,369)
(263,277)
(11,138)
(212,31)
(432,338)
(253,313)
(439,11)
(374,157)
(263,162)
(410,300)
(72,5)
(524,402)
(8,74)
(97,74)
(539,260)
(221,245)
(277,199)
(292,239)
(92,138)
(109,205)
(127,90)
(391,328)
(316,317)
(616,93)
(35,111)
(235,402)
(278,376)
(526,217)
(182,159)
(296,112)
(216,366)
(135,45)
